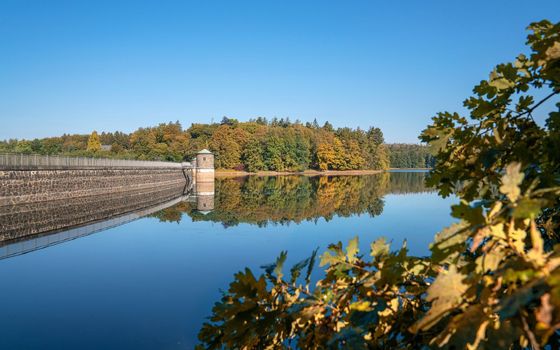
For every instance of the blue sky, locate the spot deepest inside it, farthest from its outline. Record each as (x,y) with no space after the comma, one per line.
(76,66)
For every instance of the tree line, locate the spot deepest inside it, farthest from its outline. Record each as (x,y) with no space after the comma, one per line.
(256,145)
(402,155)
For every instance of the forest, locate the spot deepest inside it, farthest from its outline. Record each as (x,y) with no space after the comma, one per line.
(402,155)
(255,145)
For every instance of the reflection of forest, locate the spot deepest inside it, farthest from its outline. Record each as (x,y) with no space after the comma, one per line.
(284,199)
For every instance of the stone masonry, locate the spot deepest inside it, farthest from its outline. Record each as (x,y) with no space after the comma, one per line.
(42,195)
(29,186)
(36,201)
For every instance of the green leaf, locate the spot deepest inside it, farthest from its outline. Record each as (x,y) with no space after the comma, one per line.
(280,264)
(500,82)
(450,242)
(437,138)
(295,271)
(310,266)
(463,211)
(329,259)
(446,293)
(274,271)
(489,261)
(527,209)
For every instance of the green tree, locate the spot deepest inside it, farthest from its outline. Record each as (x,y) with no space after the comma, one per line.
(274,153)
(328,127)
(252,156)
(302,152)
(37,146)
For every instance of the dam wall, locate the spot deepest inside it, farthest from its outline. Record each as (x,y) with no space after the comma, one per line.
(28,179)
(40,194)
(31,186)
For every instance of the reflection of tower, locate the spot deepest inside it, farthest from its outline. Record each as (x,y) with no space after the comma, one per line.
(204,188)
(205,196)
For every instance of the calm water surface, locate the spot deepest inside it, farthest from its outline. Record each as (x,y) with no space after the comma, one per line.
(149,284)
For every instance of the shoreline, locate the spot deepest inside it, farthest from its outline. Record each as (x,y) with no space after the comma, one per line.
(236,173)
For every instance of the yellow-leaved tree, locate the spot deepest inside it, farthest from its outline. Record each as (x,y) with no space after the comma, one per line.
(93,143)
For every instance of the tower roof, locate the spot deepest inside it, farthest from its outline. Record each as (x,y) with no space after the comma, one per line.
(204,151)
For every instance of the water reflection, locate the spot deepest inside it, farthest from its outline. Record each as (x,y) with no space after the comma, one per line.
(32,226)
(23,220)
(260,201)
(151,283)
(285,199)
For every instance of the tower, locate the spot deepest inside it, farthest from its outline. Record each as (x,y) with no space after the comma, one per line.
(205,180)
(204,166)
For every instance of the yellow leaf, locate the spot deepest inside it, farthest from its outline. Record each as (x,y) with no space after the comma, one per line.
(511,181)
(361,306)
(498,231)
(446,293)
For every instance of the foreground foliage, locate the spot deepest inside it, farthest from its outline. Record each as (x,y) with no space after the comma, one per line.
(492,280)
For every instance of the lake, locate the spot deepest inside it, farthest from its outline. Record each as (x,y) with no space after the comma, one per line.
(151,282)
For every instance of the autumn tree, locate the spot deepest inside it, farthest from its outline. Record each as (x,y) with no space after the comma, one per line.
(326,155)
(93,143)
(227,150)
(24,146)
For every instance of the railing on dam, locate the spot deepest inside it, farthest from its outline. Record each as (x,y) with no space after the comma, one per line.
(35,161)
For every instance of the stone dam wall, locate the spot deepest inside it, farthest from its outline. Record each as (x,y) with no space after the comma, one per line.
(31,186)
(39,195)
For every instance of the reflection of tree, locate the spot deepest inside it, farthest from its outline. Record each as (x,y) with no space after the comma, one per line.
(285,199)
(173,213)
(407,182)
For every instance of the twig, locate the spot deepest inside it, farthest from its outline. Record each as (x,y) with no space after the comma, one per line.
(534,344)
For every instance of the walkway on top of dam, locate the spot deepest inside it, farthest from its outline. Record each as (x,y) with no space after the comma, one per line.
(12,161)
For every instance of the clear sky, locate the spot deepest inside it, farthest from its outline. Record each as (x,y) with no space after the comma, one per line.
(75,66)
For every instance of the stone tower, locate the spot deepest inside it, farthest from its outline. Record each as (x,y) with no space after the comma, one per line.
(205,181)
(204,166)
